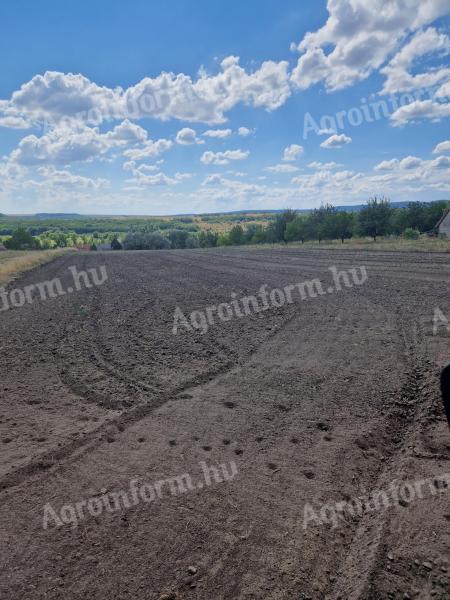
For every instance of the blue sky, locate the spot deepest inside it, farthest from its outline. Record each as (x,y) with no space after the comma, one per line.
(182,106)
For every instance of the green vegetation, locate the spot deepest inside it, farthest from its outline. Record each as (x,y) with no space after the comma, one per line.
(378,218)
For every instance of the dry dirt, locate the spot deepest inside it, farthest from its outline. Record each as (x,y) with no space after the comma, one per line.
(317,402)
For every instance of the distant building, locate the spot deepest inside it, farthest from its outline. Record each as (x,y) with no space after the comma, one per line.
(103,247)
(443,226)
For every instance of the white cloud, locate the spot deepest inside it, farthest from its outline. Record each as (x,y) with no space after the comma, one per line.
(358,37)
(141,180)
(217,133)
(292,152)
(214,179)
(150,149)
(182,176)
(442,147)
(128,133)
(336,141)
(62,146)
(407,163)
(223,158)
(410,162)
(441,162)
(67,179)
(54,96)
(387,165)
(14,123)
(283,168)
(420,109)
(319,166)
(423,43)
(187,136)
(245,131)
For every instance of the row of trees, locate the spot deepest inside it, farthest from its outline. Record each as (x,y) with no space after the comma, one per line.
(377,218)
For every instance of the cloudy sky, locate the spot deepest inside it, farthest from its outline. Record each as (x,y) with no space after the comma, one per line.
(181,106)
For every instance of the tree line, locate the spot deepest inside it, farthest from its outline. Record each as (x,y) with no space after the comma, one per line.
(376,219)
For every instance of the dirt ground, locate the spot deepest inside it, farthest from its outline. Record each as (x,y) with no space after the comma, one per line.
(317,402)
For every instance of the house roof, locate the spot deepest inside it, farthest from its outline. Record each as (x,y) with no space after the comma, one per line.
(442,219)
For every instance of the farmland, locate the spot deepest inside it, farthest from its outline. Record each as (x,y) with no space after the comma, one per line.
(317,401)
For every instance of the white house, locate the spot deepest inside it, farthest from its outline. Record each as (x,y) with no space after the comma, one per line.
(443,226)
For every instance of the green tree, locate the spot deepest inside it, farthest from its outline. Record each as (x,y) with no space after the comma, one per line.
(278,227)
(339,225)
(208,239)
(374,219)
(296,230)
(21,239)
(178,238)
(236,236)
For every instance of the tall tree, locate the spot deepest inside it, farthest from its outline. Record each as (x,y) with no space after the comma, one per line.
(374,219)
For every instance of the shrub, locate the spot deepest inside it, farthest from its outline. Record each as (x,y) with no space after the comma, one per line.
(140,240)
(192,242)
(411,234)
(21,239)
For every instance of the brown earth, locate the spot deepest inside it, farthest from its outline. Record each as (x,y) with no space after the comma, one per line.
(316,402)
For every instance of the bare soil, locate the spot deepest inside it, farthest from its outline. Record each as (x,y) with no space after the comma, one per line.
(316,402)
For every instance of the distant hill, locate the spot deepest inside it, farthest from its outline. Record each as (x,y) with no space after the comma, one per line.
(71,216)
(57,216)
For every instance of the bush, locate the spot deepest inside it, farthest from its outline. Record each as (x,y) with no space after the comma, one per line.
(21,239)
(411,234)
(178,238)
(140,240)
(192,242)
(208,239)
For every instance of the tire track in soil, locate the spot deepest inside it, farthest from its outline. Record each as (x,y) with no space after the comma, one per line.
(363,559)
(48,463)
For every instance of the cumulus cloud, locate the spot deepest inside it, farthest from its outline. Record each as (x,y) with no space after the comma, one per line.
(56,97)
(150,149)
(292,152)
(64,145)
(14,123)
(128,133)
(223,158)
(423,43)
(187,137)
(387,165)
(412,168)
(245,131)
(358,37)
(420,109)
(442,147)
(217,133)
(336,141)
(69,180)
